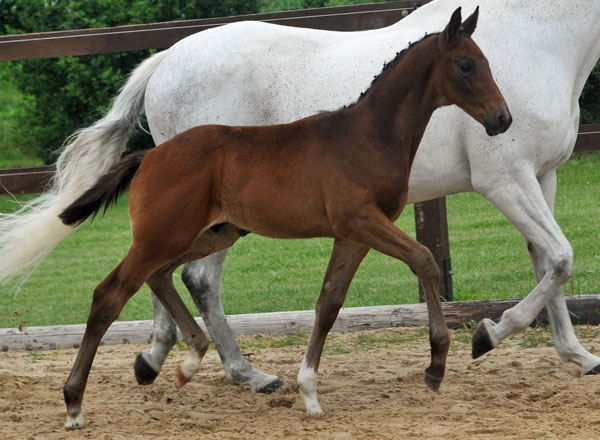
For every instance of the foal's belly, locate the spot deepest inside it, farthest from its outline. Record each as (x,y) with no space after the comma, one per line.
(280,214)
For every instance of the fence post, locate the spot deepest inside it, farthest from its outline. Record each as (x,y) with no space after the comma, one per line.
(432,231)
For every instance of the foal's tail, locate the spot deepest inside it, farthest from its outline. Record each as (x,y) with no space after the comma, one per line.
(105,192)
(28,235)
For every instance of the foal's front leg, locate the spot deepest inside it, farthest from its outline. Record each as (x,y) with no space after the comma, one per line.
(374,229)
(343,263)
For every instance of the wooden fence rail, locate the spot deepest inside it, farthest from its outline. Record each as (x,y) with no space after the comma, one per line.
(162,35)
(584,309)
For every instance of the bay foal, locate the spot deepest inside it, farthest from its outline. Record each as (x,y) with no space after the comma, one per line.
(342,174)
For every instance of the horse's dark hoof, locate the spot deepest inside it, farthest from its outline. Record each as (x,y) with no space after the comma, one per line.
(481,342)
(144,373)
(593,371)
(433,382)
(271,387)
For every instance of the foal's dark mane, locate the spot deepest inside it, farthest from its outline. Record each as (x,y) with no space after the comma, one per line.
(388,67)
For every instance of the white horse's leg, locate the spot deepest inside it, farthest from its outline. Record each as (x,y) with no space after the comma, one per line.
(164,335)
(521,200)
(567,345)
(203,280)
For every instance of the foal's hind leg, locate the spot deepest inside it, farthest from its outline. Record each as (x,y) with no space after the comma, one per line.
(109,298)
(343,263)
(161,284)
(203,280)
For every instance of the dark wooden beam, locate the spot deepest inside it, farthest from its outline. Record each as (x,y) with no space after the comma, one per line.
(432,231)
(588,138)
(25,180)
(162,35)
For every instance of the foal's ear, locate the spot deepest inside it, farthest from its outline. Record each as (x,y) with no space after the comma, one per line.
(470,23)
(450,34)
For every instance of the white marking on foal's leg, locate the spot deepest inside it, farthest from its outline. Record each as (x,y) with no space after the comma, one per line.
(76,422)
(185,371)
(307,380)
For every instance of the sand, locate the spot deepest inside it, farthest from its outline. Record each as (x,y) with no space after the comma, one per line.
(370,387)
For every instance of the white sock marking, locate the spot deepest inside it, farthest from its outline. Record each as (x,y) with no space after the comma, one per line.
(307,381)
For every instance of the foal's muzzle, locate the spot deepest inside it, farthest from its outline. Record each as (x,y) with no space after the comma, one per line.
(497,122)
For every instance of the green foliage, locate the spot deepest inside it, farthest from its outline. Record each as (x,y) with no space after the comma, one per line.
(283,5)
(16,146)
(590,98)
(73,92)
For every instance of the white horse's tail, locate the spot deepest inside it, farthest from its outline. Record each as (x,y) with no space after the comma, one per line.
(28,235)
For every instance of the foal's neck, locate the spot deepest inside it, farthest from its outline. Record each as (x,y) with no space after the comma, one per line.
(402,99)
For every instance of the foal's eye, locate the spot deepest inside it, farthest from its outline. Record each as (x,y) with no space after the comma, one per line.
(466,65)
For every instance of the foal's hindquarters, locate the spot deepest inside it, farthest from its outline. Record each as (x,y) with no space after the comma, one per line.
(154,264)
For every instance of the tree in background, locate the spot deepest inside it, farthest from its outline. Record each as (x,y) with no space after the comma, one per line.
(73,92)
(590,98)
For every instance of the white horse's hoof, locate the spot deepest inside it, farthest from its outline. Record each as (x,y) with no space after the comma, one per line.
(74,422)
(593,371)
(144,371)
(482,341)
(314,409)
(258,381)
(270,387)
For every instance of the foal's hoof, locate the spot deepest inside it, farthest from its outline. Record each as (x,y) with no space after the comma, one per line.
(74,423)
(144,373)
(270,387)
(433,382)
(180,378)
(481,342)
(593,371)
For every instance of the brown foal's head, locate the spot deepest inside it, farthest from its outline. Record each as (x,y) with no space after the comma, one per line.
(464,77)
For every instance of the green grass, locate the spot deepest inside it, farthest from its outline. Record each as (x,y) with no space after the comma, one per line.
(261,275)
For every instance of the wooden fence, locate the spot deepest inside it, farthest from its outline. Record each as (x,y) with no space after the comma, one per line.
(584,310)
(430,217)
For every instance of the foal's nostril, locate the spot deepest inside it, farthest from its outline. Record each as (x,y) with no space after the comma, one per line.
(504,120)
(496,123)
